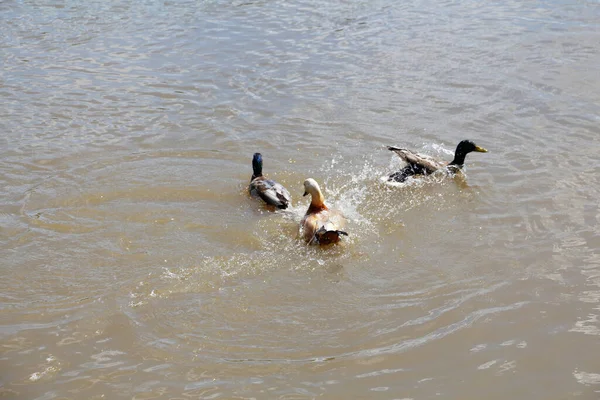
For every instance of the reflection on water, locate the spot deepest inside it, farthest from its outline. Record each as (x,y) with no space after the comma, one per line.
(135,264)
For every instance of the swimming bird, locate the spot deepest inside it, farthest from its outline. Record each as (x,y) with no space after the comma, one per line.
(270,191)
(420,164)
(321,225)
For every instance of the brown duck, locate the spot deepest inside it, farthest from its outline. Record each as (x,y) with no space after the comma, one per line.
(321,225)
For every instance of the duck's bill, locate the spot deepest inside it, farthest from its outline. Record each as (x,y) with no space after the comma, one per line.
(305,193)
(480,149)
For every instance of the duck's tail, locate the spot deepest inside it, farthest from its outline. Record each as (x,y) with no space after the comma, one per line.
(323,236)
(400,176)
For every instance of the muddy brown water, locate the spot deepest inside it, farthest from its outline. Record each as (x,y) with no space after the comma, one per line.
(134,264)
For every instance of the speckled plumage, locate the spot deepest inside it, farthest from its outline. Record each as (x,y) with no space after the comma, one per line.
(268,190)
(422,164)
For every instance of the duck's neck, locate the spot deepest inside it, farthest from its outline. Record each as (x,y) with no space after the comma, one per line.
(257,171)
(459,159)
(256,166)
(317,202)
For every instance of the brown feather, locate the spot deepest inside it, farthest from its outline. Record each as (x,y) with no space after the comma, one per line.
(320,224)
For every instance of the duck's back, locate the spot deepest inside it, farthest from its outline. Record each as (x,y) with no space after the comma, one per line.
(325,225)
(427,162)
(271,192)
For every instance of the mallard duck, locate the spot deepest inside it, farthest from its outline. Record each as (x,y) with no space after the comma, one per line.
(420,164)
(270,191)
(321,225)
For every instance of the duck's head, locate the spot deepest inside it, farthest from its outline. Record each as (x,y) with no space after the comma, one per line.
(312,187)
(257,164)
(465,147)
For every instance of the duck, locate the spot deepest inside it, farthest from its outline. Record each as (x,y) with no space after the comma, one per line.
(421,164)
(321,225)
(271,192)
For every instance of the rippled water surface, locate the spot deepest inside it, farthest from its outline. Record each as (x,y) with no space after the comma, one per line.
(134,264)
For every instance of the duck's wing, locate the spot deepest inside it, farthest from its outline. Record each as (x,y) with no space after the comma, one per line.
(271,192)
(324,227)
(309,225)
(416,159)
(335,220)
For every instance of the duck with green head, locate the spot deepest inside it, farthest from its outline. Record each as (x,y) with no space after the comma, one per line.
(271,192)
(421,164)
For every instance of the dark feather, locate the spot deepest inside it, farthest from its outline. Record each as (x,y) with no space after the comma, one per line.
(270,191)
(324,237)
(422,164)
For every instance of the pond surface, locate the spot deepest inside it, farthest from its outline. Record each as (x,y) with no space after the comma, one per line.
(135,265)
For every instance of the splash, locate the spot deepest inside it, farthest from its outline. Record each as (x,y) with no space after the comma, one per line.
(374,209)
(438,177)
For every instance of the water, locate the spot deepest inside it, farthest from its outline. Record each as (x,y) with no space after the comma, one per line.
(135,265)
